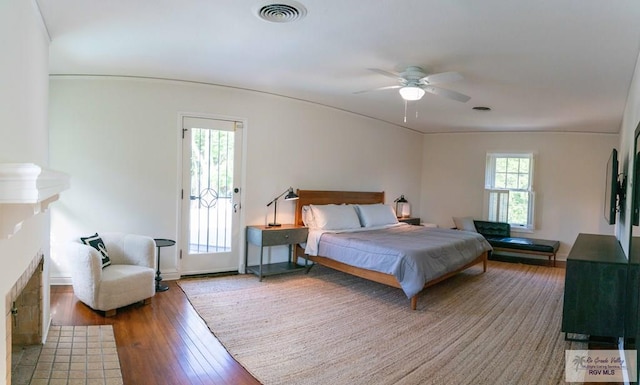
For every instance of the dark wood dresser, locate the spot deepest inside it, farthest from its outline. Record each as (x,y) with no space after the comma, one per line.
(595,287)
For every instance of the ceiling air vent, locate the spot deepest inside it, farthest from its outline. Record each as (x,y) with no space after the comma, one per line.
(282,12)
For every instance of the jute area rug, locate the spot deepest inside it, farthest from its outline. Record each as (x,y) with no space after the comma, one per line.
(326,327)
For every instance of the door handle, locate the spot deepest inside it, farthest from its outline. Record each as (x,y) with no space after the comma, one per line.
(236,207)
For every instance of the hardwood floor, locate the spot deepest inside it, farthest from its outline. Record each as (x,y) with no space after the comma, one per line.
(165,342)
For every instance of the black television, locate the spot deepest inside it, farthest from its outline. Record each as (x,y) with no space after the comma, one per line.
(612,189)
(635,213)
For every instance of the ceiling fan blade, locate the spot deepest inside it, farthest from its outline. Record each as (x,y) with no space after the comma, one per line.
(377,89)
(444,77)
(392,75)
(447,93)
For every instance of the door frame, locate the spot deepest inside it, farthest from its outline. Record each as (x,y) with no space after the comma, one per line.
(182,235)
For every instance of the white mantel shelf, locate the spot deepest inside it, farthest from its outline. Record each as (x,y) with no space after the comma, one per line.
(26,189)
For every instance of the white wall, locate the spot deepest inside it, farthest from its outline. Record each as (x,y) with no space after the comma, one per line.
(118,138)
(569,179)
(630,121)
(23,132)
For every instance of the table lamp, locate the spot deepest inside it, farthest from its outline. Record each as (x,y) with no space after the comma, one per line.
(289,197)
(402,207)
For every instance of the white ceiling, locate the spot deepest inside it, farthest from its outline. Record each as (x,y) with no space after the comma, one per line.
(541,65)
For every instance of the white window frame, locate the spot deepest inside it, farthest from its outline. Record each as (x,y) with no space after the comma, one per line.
(493,194)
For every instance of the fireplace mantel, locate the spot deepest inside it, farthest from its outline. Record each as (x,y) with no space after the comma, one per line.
(26,189)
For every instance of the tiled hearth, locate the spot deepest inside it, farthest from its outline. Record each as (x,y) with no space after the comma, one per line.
(72,355)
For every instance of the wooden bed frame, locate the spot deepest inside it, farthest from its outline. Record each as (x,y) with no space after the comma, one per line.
(318,197)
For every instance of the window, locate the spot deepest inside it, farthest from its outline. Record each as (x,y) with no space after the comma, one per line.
(509,189)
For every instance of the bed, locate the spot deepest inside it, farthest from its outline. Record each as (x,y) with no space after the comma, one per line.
(378,244)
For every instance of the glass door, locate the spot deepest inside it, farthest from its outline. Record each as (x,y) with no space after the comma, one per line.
(210,195)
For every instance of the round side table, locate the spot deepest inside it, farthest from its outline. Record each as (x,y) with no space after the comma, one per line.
(160,242)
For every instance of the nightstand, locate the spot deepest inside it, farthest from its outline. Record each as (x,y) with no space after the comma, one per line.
(411,221)
(263,236)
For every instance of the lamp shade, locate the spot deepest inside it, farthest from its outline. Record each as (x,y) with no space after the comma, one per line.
(406,210)
(291,196)
(411,93)
(400,202)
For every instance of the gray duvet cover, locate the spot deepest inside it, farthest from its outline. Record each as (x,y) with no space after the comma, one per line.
(413,254)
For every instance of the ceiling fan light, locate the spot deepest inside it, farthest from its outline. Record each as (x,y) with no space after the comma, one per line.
(411,93)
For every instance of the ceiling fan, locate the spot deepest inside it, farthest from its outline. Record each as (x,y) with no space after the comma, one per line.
(414,83)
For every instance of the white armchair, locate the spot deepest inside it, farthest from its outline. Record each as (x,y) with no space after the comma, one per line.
(130,277)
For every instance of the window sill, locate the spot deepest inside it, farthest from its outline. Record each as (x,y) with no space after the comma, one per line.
(518,229)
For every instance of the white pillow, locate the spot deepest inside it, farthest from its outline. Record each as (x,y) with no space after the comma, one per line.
(376,215)
(307,217)
(335,217)
(465,223)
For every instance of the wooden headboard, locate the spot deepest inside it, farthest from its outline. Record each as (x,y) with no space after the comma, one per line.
(319,197)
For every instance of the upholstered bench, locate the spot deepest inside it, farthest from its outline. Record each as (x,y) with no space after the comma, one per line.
(498,234)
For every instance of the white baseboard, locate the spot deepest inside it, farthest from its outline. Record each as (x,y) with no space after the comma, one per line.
(58,281)
(170,275)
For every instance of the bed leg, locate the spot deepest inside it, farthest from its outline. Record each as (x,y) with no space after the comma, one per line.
(414,302)
(307,269)
(484,264)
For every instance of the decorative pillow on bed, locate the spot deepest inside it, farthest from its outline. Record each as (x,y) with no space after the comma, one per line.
(96,242)
(335,217)
(465,223)
(376,215)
